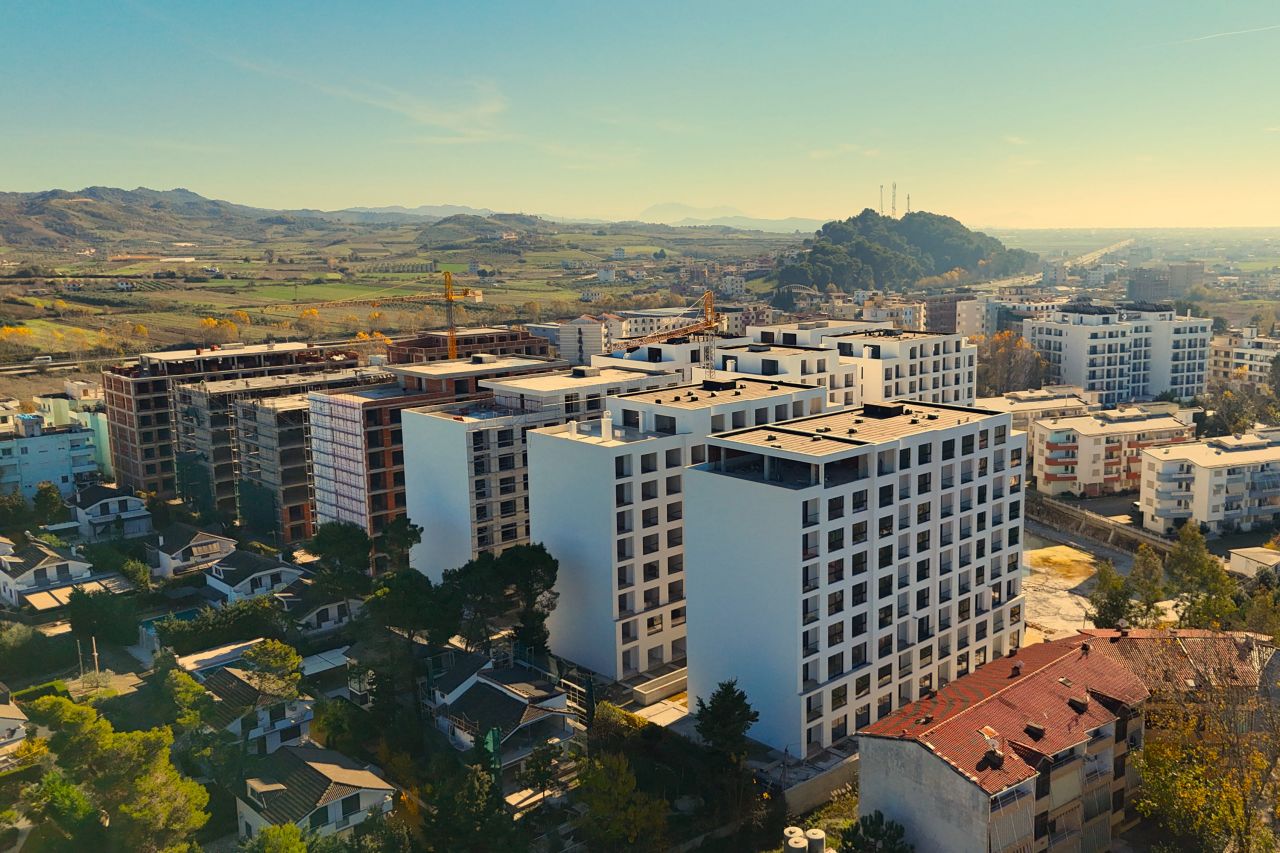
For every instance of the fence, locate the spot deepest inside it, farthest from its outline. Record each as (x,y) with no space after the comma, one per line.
(1082,522)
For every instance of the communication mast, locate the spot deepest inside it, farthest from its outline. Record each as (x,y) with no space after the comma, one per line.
(893,210)
(882,199)
(908,202)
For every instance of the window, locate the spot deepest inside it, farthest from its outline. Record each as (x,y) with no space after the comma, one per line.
(839,697)
(350,805)
(319,817)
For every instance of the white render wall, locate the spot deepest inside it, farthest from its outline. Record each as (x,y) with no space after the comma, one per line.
(438,491)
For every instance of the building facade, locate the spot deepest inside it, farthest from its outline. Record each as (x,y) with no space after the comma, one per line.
(34,453)
(276,492)
(1122,354)
(607,499)
(467,467)
(1241,359)
(875,553)
(1051,401)
(140,407)
(497,340)
(1100,453)
(1224,484)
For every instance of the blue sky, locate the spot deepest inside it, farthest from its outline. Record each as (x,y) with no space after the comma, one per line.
(1000,113)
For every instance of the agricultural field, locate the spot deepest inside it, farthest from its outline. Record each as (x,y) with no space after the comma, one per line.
(194,292)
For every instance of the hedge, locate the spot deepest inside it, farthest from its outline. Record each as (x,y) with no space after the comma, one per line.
(36,691)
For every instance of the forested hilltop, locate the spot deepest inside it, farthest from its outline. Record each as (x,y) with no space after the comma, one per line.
(870,251)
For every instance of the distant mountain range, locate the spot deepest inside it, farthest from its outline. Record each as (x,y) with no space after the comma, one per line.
(61,218)
(675,213)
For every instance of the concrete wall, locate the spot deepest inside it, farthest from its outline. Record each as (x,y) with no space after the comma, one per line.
(941,810)
(437,488)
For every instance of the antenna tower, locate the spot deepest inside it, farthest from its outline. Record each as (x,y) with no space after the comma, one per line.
(908,202)
(893,210)
(882,199)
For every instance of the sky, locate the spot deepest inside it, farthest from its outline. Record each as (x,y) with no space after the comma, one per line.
(1002,114)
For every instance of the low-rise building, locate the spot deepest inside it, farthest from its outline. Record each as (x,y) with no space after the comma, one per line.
(82,403)
(35,453)
(1247,562)
(35,570)
(1025,754)
(319,790)
(875,553)
(181,548)
(1224,484)
(13,722)
(314,609)
(466,464)
(1241,359)
(104,512)
(242,575)
(262,720)
(1099,453)
(1035,404)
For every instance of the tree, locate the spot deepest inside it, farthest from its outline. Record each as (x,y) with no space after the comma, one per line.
(1189,562)
(274,669)
(59,799)
(48,505)
(874,833)
(1006,362)
(531,571)
(398,539)
(1206,593)
(479,590)
(1109,602)
(342,547)
(539,771)
(284,838)
(468,815)
(104,615)
(618,817)
(723,722)
(15,513)
(138,573)
(1146,585)
(192,704)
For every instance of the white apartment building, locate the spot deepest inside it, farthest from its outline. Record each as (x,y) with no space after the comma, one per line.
(1101,453)
(1223,483)
(846,564)
(1242,358)
(607,499)
(1124,354)
(35,453)
(986,315)
(903,315)
(1051,401)
(466,464)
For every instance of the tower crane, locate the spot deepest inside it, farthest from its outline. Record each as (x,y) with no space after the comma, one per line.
(702,330)
(450,296)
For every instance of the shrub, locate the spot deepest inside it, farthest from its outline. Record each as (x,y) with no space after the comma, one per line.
(37,691)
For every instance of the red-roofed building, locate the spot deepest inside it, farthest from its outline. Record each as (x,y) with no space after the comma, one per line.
(1025,754)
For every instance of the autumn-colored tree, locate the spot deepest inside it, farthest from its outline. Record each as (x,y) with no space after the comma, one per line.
(1006,362)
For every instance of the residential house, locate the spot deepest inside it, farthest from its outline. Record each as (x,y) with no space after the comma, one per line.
(322,791)
(29,570)
(265,721)
(105,512)
(314,610)
(242,575)
(13,722)
(182,548)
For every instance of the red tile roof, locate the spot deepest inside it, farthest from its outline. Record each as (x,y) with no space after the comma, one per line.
(1043,685)
(1188,658)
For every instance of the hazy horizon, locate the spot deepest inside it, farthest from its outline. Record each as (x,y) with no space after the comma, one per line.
(1013,117)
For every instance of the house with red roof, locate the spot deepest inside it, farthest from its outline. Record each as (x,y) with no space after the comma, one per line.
(1026,754)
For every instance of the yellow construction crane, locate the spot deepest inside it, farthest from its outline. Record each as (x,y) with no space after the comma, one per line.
(704,330)
(449,298)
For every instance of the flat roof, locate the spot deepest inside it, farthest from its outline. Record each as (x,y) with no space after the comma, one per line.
(783,349)
(701,395)
(894,335)
(288,402)
(1120,421)
(566,380)
(1225,452)
(839,432)
(369,392)
(226,349)
(469,367)
(284,380)
(1034,398)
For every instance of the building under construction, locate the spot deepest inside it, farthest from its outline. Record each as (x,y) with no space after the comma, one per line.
(276,495)
(497,340)
(207,464)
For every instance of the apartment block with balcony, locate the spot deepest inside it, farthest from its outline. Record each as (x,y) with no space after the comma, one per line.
(1101,453)
(875,553)
(208,463)
(357,440)
(1226,484)
(34,453)
(1132,353)
(607,499)
(140,409)
(1027,754)
(466,464)
(1241,359)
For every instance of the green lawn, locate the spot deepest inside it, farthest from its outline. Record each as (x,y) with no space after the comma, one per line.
(145,708)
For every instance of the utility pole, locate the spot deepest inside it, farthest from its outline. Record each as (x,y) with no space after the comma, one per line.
(95,659)
(80,659)
(893,208)
(882,199)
